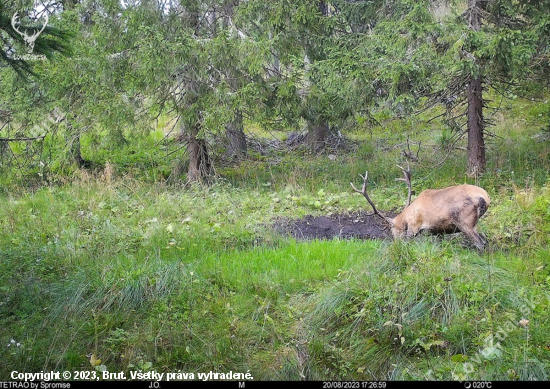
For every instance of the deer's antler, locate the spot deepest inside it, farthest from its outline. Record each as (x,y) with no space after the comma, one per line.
(363,191)
(407,179)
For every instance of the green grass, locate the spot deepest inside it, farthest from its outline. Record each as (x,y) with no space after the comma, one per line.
(155,277)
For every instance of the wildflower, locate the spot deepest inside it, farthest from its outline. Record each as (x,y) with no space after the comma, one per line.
(524,322)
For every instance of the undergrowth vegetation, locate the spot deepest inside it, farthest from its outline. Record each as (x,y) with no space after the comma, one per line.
(117,270)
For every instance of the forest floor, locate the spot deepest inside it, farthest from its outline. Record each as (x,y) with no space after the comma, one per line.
(359,225)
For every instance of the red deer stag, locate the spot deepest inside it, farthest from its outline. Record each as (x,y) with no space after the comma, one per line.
(448,210)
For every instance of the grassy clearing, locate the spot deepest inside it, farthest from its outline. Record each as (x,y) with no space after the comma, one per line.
(153,277)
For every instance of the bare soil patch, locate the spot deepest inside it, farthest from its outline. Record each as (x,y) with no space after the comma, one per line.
(360,225)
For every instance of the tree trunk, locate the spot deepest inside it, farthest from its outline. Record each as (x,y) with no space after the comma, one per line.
(75,153)
(234,129)
(323,7)
(476,143)
(200,166)
(318,130)
(317,135)
(236,139)
(275,69)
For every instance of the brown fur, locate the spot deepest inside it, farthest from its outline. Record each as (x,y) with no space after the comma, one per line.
(439,211)
(452,209)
